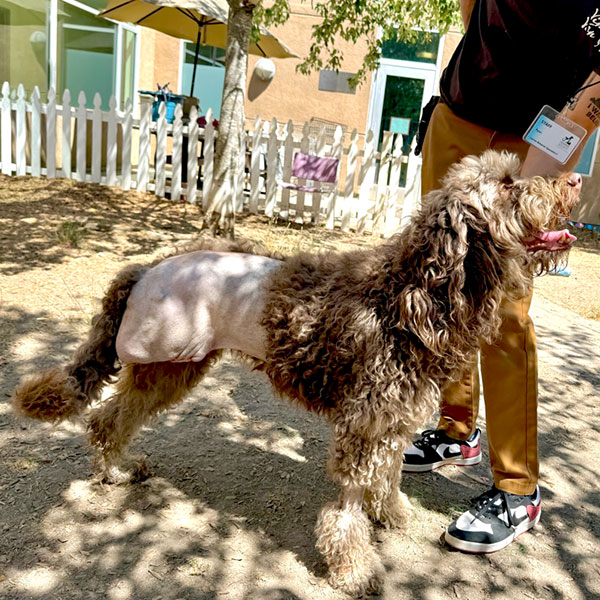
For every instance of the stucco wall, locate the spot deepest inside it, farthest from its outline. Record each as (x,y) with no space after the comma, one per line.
(159,60)
(291,95)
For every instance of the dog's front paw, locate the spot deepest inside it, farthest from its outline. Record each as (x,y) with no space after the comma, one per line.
(132,470)
(344,539)
(364,578)
(396,511)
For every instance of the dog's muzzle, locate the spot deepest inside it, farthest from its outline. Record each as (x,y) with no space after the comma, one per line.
(563,239)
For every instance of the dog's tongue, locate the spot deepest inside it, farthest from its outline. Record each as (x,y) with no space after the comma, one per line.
(551,241)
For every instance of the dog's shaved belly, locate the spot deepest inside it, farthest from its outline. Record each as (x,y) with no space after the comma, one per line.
(191,304)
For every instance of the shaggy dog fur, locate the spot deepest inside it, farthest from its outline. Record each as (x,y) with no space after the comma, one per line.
(366,339)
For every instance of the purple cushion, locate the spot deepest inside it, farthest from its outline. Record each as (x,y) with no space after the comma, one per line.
(315,168)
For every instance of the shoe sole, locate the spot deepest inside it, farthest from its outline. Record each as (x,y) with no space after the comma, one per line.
(478,548)
(459,462)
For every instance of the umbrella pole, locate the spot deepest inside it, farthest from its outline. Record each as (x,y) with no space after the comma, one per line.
(195,60)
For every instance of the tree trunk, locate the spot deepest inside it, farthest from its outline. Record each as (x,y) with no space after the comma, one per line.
(219,216)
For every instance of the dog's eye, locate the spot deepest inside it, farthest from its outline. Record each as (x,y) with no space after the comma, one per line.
(507,181)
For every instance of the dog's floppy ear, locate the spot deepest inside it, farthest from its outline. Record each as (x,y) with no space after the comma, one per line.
(418,313)
(457,248)
(442,276)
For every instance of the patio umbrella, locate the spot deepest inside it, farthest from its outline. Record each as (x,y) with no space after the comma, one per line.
(202,21)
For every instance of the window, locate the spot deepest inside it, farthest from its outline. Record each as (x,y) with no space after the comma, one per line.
(207,55)
(65,44)
(210,75)
(424,49)
(402,98)
(86,57)
(24,44)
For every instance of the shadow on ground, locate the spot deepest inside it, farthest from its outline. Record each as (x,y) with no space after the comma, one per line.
(237,480)
(31,225)
(238,477)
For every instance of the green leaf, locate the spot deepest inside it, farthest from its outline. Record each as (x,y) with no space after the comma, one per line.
(354,20)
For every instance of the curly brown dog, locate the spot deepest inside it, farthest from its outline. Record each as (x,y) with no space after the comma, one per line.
(366,338)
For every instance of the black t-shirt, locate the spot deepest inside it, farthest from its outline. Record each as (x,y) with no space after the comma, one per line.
(518,55)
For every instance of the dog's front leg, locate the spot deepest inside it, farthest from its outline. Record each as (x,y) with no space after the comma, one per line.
(343,529)
(373,462)
(390,506)
(384,501)
(344,538)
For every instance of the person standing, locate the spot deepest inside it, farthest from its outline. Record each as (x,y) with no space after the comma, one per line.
(515,57)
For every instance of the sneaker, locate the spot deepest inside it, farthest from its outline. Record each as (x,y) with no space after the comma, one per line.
(435,449)
(495,520)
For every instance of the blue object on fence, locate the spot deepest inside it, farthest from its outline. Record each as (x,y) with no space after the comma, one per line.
(171,101)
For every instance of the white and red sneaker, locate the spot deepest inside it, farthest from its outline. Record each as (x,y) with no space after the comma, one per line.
(495,520)
(434,449)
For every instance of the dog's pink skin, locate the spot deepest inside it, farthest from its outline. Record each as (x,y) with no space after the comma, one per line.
(191,304)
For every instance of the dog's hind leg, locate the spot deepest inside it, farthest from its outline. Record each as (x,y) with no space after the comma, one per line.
(142,392)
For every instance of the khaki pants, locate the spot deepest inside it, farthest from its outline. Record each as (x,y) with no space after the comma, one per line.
(509,366)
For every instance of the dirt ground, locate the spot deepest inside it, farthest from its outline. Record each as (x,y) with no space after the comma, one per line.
(237,476)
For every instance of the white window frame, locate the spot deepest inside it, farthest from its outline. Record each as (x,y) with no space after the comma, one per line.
(429,72)
(53,49)
(395,68)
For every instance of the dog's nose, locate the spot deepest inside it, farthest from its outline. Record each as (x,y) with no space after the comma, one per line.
(574,179)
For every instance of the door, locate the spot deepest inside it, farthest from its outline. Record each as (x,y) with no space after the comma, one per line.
(399,92)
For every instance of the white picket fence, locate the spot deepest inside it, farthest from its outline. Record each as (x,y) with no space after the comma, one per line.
(113,148)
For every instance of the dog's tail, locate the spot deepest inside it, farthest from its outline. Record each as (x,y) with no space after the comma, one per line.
(61,393)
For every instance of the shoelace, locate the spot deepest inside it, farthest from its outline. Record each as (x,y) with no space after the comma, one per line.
(485,504)
(427,438)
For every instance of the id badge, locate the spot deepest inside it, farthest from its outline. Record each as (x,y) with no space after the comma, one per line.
(555,134)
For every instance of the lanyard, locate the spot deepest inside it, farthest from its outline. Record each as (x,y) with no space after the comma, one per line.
(585,87)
